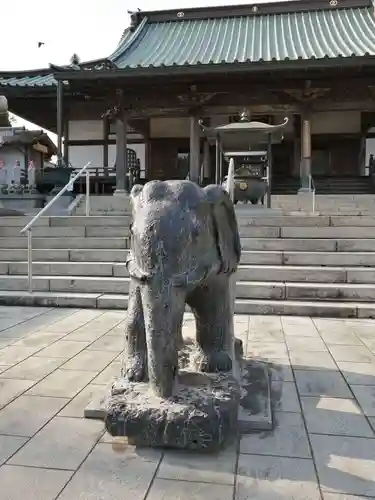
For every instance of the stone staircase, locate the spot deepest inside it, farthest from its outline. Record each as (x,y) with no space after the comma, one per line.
(291,264)
(354,185)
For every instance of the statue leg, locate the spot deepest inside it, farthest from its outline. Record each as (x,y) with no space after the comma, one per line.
(135,359)
(211,307)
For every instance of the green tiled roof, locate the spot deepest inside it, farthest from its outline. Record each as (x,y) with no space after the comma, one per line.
(248,39)
(251,39)
(30,79)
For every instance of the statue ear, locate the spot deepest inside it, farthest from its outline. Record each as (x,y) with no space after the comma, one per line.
(136,189)
(134,193)
(225,223)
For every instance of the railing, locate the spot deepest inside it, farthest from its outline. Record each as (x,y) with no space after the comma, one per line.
(29,226)
(312,191)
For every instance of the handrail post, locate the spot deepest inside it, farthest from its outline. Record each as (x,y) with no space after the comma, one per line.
(30,260)
(87,193)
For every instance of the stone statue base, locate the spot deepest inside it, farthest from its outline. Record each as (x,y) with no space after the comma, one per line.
(207,411)
(202,415)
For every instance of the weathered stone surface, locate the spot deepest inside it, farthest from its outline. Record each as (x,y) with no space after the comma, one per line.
(202,415)
(253,399)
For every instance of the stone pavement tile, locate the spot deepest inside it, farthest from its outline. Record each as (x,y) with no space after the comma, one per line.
(358,373)
(188,331)
(288,439)
(238,318)
(345,464)
(11,388)
(36,323)
(365,395)
(269,350)
(108,342)
(77,405)
(90,361)
(333,325)
(118,330)
(107,475)
(33,368)
(6,342)
(340,338)
(284,397)
(95,328)
(31,483)
(308,360)
(163,489)
(62,444)
(369,342)
(294,326)
(27,414)
(106,376)
(8,446)
(321,383)
(84,336)
(39,339)
(276,478)
(62,383)
(241,332)
(269,330)
(335,416)
(63,349)
(264,336)
(75,321)
(356,354)
(303,344)
(372,422)
(13,355)
(281,371)
(217,468)
(4,367)
(20,314)
(338,496)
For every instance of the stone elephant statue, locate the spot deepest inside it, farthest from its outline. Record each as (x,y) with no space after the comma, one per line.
(184,247)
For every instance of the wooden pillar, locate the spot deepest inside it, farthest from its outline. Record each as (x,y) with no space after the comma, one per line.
(121,143)
(296,146)
(66,141)
(305,170)
(106,125)
(60,122)
(206,160)
(194,167)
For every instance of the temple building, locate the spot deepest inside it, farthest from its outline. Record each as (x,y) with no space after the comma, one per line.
(312,61)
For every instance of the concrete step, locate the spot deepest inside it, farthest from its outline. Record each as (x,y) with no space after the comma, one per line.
(242,306)
(257,244)
(308,245)
(282,273)
(70,221)
(75,231)
(328,232)
(256,257)
(364,292)
(244,217)
(68,243)
(246,231)
(342,259)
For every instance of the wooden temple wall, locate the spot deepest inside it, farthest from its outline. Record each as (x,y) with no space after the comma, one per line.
(338,145)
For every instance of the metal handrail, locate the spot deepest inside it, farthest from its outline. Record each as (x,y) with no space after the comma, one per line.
(312,191)
(29,226)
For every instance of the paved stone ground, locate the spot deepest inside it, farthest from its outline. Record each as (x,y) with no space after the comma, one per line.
(53,360)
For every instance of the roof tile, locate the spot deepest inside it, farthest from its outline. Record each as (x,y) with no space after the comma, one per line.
(304,35)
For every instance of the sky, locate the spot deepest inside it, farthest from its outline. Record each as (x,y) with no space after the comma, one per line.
(89,28)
